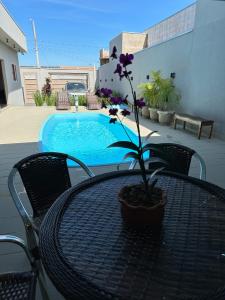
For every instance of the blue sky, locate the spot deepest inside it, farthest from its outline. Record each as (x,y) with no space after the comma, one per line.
(71,32)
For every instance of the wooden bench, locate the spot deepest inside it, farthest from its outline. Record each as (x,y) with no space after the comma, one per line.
(200,122)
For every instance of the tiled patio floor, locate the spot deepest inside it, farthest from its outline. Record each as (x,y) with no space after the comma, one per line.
(19,132)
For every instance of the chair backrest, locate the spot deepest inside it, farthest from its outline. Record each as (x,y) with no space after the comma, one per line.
(45,176)
(177,156)
(173,157)
(92,101)
(63,99)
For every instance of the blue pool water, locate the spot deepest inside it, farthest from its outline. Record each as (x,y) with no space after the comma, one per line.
(85,136)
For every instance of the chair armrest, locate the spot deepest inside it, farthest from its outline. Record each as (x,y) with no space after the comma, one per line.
(132,164)
(19,205)
(32,243)
(151,160)
(202,166)
(82,165)
(18,241)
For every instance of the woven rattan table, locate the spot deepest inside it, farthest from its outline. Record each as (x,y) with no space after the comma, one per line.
(89,253)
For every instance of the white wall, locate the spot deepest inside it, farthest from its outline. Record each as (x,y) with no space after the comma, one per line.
(170,56)
(207,64)
(9,29)
(13,89)
(197,58)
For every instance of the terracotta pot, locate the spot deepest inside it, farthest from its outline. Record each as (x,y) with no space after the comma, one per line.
(145,112)
(140,216)
(153,114)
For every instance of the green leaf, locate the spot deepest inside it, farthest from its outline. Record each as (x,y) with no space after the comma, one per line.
(148,136)
(131,155)
(151,147)
(124,144)
(156,172)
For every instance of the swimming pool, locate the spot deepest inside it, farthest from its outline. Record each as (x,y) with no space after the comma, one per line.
(85,136)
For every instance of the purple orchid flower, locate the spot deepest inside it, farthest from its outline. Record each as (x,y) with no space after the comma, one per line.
(114,55)
(113,120)
(140,102)
(126,73)
(118,69)
(125,101)
(106,92)
(116,100)
(113,111)
(103,105)
(98,93)
(125,112)
(126,59)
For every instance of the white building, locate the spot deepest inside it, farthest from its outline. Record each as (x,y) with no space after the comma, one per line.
(190,44)
(12,42)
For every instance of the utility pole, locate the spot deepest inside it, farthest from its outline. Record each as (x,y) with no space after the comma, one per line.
(35,44)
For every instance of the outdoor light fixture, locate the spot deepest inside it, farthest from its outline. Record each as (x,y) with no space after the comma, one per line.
(147,77)
(112,79)
(173,75)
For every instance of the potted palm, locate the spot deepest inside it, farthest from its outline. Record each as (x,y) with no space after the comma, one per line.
(168,97)
(142,203)
(161,95)
(149,90)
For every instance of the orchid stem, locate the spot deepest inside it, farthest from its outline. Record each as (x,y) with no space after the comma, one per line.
(141,158)
(124,128)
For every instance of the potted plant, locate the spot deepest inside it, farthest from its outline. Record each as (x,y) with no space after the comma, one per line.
(142,203)
(149,90)
(145,112)
(168,97)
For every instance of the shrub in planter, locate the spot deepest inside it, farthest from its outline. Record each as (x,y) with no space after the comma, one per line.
(161,95)
(82,100)
(71,100)
(38,98)
(149,90)
(169,96)
(51,99)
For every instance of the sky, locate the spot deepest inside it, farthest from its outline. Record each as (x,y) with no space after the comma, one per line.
(71,32)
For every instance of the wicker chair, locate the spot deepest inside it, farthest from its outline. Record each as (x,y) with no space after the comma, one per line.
(62,101)
(18,285)
(174,157)
(45,176)
(92,102)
